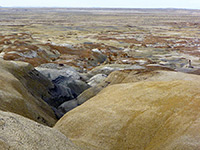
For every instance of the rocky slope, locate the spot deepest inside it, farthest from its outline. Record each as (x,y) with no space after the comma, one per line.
(77,70)
(22,89)
(116,68)
(19,133)
(103,76)
(160,113)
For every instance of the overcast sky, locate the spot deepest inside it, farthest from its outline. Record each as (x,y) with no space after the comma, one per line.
(194,4)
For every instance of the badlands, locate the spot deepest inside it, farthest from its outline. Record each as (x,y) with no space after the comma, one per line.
(99,79)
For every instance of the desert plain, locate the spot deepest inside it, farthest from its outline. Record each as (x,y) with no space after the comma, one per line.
(99,79)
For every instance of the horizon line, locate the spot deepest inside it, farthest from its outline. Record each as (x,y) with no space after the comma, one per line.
(98,7)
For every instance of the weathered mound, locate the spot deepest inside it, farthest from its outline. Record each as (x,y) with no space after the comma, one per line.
(21,91)
(22,47)
(150,115)
(128,76)
(98,82)
(125,74)
(20,133)
(85,56)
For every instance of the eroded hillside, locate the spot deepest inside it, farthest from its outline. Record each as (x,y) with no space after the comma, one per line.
(135,73)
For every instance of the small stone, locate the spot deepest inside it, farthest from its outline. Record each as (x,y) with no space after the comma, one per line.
(2,122)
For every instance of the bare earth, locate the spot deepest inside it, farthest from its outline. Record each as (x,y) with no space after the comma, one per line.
(169,37)
(131,77)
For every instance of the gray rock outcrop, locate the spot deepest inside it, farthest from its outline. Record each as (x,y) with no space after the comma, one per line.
(67,81)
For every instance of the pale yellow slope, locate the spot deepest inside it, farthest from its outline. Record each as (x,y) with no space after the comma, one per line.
(16,82)
(147,115)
